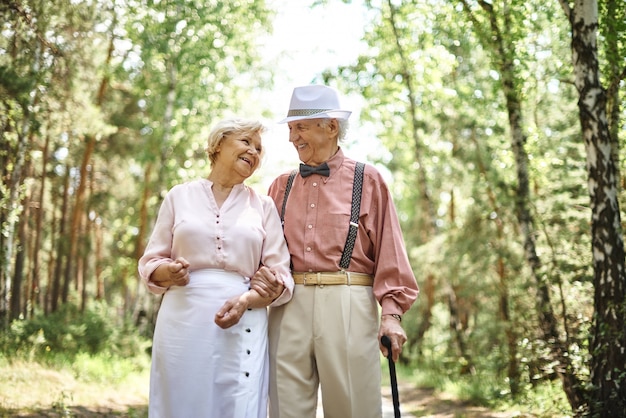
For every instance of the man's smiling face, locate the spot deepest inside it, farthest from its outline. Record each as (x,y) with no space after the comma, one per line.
(314,139)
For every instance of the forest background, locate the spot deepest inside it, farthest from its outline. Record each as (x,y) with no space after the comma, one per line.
(498,123)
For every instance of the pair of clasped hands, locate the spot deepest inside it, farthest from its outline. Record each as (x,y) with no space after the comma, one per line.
(264,288)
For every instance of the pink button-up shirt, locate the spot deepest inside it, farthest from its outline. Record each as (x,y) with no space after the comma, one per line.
(317,217)
(237,237)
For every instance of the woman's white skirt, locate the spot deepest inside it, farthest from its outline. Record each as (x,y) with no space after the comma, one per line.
(200,370)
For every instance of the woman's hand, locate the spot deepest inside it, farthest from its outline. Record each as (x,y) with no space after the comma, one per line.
(232,310)
(175,273)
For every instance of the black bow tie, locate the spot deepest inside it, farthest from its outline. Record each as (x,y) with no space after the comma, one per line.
(307,170)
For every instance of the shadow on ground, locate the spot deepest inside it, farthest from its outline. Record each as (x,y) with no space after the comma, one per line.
(131,411)
(414,402)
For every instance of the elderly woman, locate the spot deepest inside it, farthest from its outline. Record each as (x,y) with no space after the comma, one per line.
(209,355)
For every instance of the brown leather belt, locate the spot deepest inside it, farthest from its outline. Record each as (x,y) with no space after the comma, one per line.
(333,278)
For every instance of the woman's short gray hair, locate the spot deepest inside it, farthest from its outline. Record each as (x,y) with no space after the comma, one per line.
(228,127)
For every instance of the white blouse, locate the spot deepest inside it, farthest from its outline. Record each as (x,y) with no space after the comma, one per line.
(240,236)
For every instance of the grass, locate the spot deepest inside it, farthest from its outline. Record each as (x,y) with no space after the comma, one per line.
(103,385)
(90,386)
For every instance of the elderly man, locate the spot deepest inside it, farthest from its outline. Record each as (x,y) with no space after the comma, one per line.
(347,254)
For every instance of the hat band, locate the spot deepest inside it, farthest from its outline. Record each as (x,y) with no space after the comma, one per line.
(305,112)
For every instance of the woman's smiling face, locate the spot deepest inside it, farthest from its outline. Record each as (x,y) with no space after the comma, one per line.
(241,153)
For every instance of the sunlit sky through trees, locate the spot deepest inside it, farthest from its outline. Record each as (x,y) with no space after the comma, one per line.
(306,41)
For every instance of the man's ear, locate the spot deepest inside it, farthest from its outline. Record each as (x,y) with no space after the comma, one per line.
(333,126)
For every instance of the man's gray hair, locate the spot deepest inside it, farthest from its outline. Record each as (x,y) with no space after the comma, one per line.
(343,124)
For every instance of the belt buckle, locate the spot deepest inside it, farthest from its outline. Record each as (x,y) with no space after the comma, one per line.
(304,279)
(313,281)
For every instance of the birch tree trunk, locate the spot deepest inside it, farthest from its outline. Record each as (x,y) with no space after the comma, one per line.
(607,398)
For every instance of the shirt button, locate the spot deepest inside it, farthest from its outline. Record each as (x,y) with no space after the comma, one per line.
(314,184)
(248,352)
(310,226)
(312,205)
(308,249)
(247,374)
(247,329)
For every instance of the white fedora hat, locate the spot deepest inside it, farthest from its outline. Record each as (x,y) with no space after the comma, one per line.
(315,101)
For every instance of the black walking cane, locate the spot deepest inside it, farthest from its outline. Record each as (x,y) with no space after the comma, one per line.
(392,374)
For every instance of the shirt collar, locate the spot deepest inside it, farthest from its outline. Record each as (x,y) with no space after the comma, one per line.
(336,161)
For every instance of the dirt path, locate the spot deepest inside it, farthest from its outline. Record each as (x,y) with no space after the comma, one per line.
(425,403)
(414,402)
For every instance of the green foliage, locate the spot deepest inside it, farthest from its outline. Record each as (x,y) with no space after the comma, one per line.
(68,334)
(438,367)
(106,367)
(147,79)
(434,82)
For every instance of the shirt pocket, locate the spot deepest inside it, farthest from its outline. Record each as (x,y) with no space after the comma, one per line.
(333,229)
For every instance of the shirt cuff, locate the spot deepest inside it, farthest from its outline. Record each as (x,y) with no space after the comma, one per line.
(390,307)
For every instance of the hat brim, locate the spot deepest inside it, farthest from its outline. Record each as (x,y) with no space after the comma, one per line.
(332,114)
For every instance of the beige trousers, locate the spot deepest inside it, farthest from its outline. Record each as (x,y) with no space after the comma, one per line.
(326,336)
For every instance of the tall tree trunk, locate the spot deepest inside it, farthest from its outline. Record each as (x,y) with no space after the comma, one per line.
(458,328)
(513,372)
(38,207)
(61,247)
(608,339)
(83,267)
(18,270)
(547,320)
(98,262)
(13,209)
(616,75)
(136,302)
(428,227)
(85,252)
(77,216)
(427,301)
(5,151)
(141,303)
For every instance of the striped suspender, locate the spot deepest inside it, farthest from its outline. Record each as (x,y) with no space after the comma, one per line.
(357,190)
(287,190)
